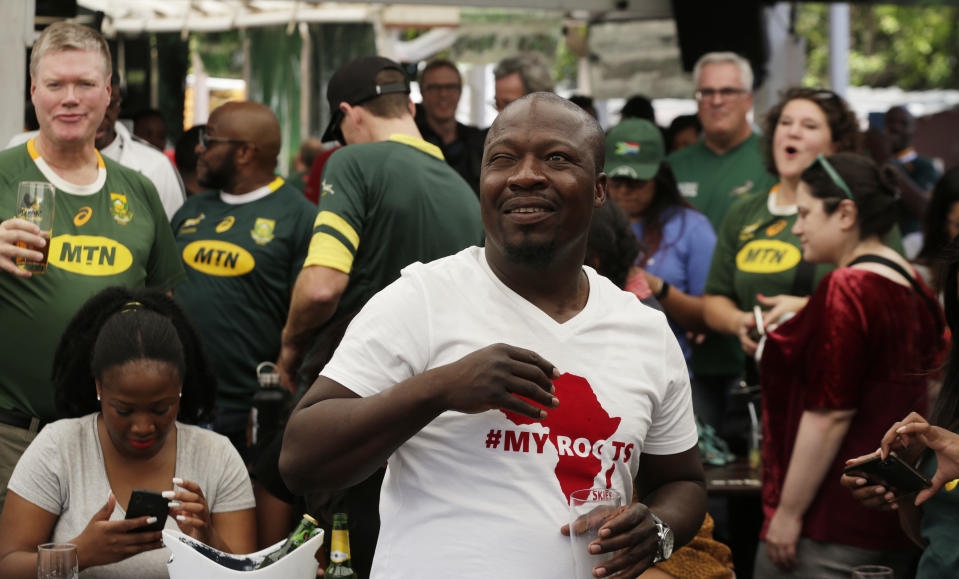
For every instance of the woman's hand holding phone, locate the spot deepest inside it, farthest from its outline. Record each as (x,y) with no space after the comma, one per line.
(104,541)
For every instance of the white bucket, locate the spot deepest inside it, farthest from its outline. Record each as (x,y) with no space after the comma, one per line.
(188,563)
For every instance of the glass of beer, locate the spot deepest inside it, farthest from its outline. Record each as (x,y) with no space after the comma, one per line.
(35,203)
(57,561)
(588,511)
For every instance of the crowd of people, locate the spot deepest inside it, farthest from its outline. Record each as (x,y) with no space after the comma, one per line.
(474,323)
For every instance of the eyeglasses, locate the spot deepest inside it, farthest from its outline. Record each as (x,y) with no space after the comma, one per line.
(206,140)
(833,175)
(452,87)
(727,92)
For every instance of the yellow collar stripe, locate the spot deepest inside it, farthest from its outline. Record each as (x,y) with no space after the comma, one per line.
(428,148)
(276,184)
(35,154)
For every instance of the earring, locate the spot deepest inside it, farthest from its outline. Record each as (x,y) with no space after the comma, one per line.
(98,397)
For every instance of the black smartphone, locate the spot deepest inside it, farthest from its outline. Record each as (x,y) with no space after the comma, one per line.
(892,473)
(143,503)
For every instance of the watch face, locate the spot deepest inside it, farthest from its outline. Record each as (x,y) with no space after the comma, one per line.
(666,541)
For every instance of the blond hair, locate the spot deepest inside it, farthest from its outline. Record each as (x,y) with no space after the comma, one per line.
(61,36)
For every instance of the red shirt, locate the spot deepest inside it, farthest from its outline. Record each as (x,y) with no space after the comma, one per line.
(862,342)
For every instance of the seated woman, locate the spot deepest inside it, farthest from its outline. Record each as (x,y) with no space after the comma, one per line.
(838,373)
(128,366)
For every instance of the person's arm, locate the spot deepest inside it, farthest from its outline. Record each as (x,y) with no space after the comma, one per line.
(229,531)
(335,439)
(316,294)
(820,435)
(686,309)
(724,316)
(236,531)
(24,525)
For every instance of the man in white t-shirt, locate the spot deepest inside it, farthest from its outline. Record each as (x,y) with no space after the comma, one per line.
(499,380)
(115,141)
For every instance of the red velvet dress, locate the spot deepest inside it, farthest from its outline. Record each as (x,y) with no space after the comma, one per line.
(862,342)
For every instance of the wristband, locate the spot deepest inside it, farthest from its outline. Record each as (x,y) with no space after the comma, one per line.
(663,291)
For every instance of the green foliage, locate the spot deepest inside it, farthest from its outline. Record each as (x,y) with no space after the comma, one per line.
(913,47)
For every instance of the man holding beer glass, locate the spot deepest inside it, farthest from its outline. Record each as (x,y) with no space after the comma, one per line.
(110,228)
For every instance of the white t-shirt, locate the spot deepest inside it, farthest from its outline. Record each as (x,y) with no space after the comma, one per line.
(485,495)
(63,472)
(141,157)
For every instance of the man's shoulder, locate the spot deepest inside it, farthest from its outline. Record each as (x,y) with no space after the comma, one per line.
(688,154)
(119,172)
(13,156)
(146,157)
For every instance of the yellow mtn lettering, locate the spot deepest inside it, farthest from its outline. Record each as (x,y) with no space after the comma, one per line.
(91,255)
(218,258)
(767,256)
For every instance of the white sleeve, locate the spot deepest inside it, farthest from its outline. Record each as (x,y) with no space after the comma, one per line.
(234,492)
(387,342)
(673,427)
(36,477)
(168,184)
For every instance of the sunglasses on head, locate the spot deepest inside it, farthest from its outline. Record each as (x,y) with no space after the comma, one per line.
(833,175)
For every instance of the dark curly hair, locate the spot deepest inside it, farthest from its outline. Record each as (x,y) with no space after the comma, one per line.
(121,324)
(875,190)
(843,125)
(611,243)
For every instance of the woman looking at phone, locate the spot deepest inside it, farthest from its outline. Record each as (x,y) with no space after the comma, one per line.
(934,522)
(838,373)
(130,372)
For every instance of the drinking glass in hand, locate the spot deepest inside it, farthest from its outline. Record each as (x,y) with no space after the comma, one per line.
(57,561)
(589,509)
(872,572)
(35,203)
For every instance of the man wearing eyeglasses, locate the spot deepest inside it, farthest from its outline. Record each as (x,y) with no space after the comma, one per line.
(726,163)
(242,243)
(115,141)
(441,86)
(712,173)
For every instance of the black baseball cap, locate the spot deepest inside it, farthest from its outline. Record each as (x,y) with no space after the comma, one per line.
(355,83)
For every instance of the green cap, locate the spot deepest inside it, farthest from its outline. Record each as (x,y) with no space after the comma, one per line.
(634,150)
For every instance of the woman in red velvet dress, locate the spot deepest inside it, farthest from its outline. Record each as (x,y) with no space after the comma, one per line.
(850,363)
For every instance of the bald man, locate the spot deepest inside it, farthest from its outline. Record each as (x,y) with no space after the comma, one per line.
(243,243)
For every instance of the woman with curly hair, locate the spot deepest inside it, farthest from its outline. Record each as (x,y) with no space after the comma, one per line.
(757,260)
(131,379)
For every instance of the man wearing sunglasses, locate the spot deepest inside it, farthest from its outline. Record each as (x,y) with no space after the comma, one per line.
(242,243)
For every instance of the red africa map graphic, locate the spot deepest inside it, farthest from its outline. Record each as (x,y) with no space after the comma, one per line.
(578,416)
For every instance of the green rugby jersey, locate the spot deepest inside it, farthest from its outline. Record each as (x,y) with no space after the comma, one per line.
(111,232)
(241,259)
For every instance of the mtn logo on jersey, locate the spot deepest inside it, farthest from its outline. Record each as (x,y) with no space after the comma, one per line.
(767,256)
(218,258)
(262,232)
(120,208)
(90,255)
